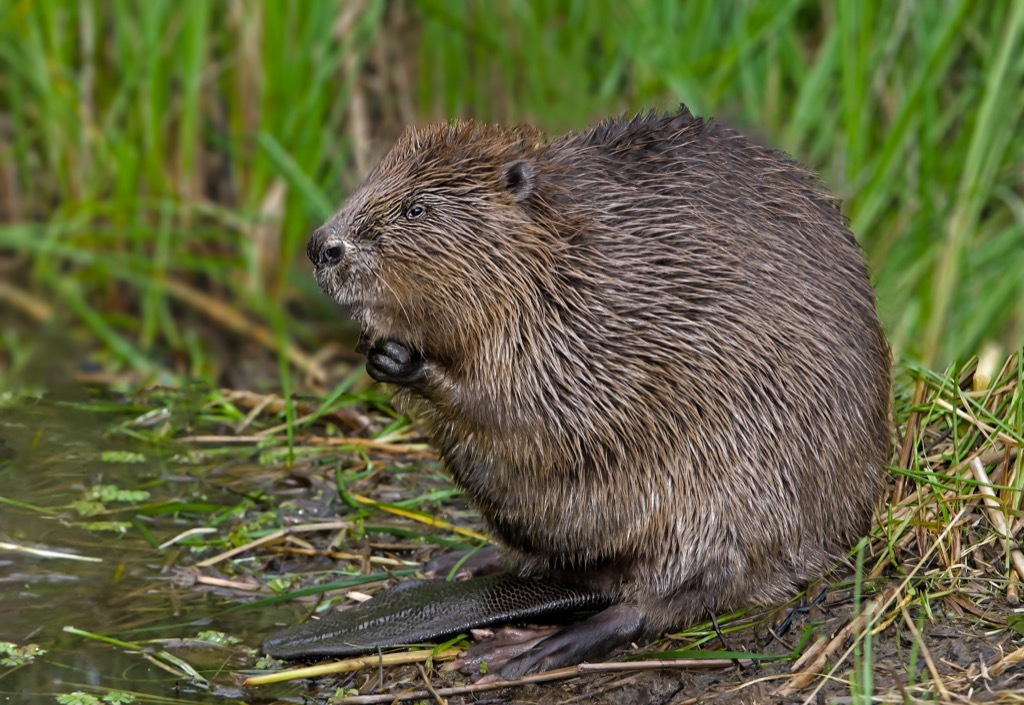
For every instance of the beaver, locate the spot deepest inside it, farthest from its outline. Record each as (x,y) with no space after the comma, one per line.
(648,353)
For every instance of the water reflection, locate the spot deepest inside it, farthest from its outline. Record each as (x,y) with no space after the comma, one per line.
(52,454)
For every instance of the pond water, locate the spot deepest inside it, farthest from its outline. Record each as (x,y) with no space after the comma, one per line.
(58,572)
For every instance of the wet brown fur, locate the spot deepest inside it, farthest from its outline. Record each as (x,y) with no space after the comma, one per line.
(652,355)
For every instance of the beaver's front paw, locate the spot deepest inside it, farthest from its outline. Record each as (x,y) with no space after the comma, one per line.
(390,361)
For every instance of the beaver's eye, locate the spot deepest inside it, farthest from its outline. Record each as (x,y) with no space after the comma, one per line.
(416,211)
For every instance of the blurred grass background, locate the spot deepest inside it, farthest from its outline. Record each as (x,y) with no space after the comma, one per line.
(162,162)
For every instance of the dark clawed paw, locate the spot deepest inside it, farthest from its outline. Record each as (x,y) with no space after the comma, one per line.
(509,645)
(390,361)
(593,638)
(551,653)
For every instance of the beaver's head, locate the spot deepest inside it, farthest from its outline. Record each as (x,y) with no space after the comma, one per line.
(443,233)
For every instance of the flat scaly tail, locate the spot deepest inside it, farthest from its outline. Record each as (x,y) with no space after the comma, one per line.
(424,610)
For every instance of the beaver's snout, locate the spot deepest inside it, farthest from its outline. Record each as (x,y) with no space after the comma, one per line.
(324,250)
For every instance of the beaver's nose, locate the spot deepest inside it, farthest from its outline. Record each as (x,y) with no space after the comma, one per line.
(322,251)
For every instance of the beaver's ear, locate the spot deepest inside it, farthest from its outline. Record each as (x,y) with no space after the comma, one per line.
(517,178)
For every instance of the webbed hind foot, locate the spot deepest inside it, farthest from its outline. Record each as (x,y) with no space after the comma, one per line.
(513,653)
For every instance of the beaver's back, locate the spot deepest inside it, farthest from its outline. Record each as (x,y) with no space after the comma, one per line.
(708,371)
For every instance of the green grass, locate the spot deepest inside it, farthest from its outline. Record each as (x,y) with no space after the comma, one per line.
(144,145)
